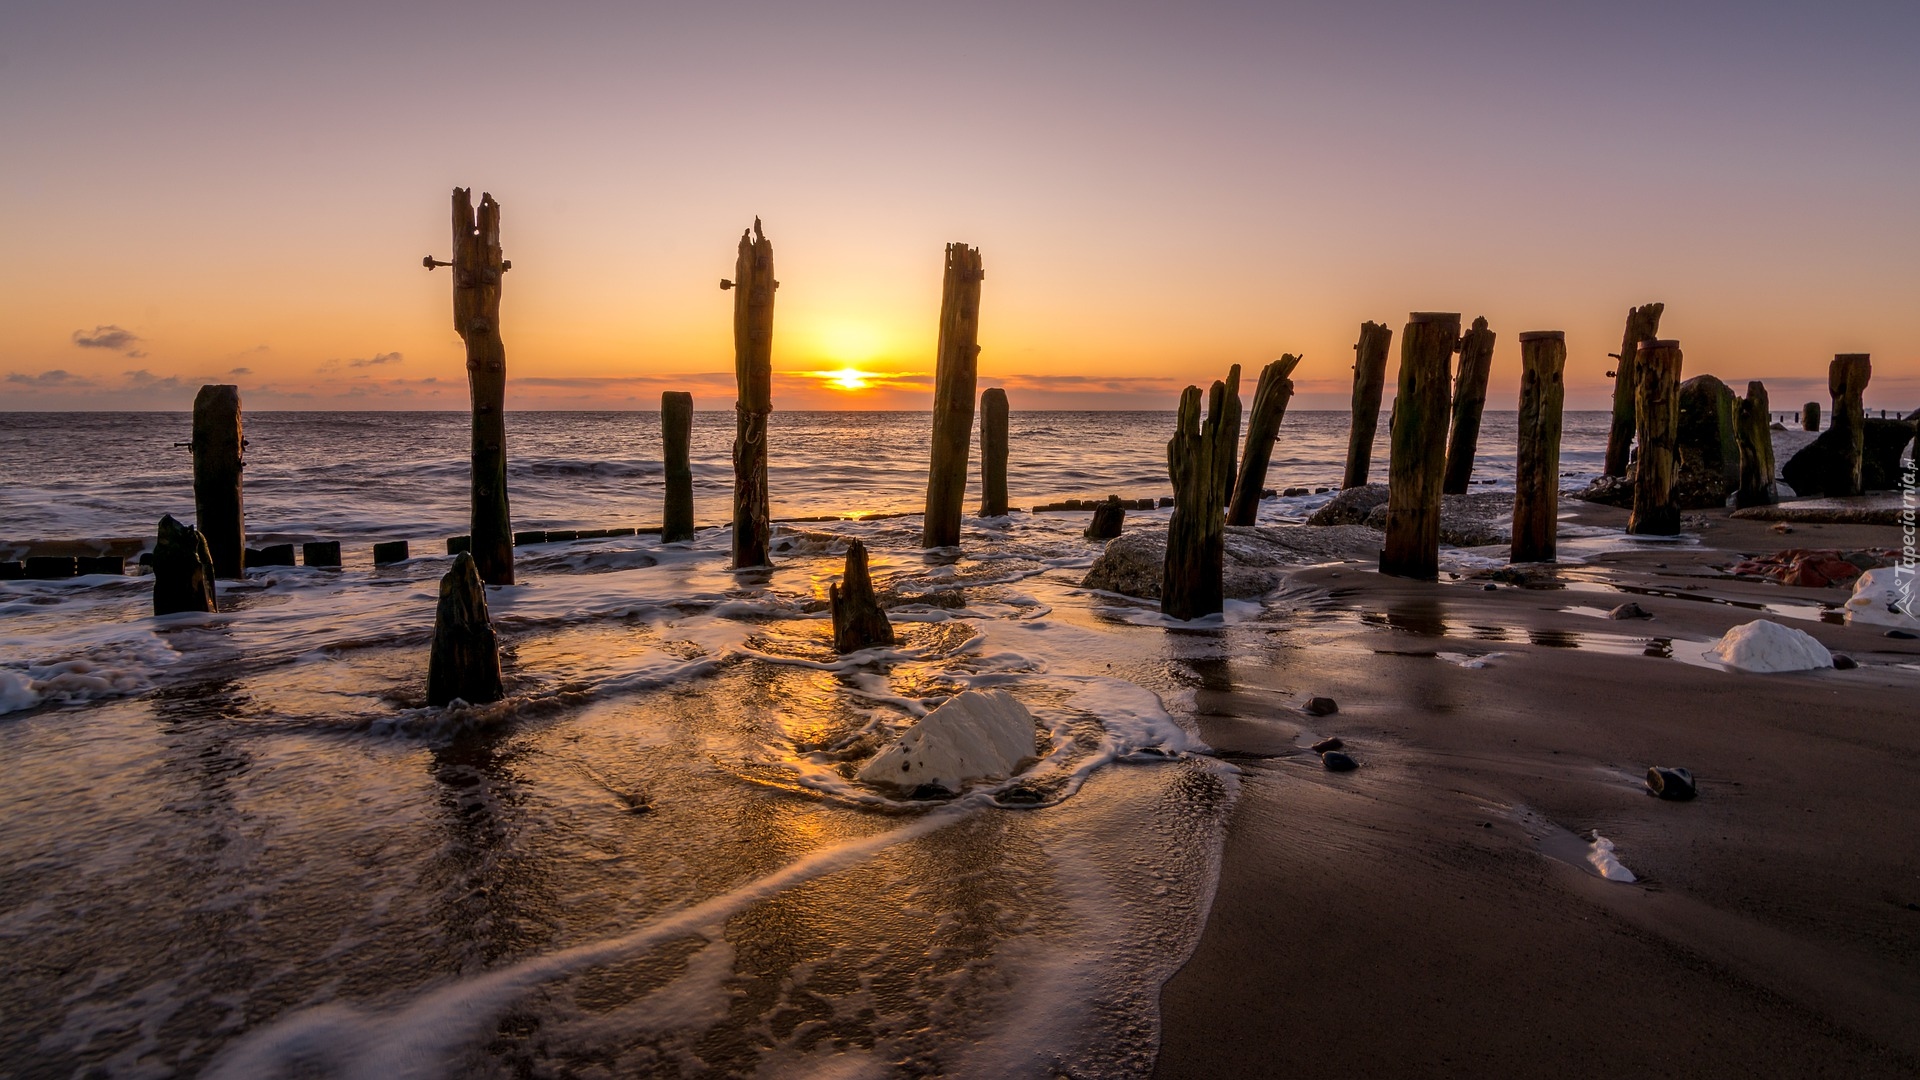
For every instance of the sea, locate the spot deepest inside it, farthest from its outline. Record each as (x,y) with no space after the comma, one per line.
(242,845)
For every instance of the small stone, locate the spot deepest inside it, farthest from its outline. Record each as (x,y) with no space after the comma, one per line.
(1629,610)
(1904,635)
(1332,742)
(1675,785)
(1321,706)
(1843,662)
(1782,528)
(1335,761)
(1489,587)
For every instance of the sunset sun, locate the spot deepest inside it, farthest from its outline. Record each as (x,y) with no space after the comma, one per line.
(847,378)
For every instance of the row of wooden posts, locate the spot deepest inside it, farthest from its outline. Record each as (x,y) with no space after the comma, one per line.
(1434,433)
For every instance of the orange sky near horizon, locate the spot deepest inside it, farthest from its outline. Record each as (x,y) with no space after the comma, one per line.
(1157,195)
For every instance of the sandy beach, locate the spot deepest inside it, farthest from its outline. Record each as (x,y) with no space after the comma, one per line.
(1432,914)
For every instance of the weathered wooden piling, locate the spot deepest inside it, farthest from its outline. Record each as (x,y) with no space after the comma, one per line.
(320,553)
(51,567)
(1469,401)
(753,285)
(393,551)
(1197,460)
(1847,380)
(955,375)
(1270,399)
(477,270)
(1369,382)
(858,621)
(1419,434)
(993,452)
(676,435)
(1536,487)
(1108,519)
(1754,434)
(217,502)
(1656,408)
(465,660)
(182,569)
(1810,416)
(1643,324)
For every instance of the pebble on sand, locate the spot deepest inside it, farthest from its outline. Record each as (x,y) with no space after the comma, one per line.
(1630,610)
(1335,761)
(1672,784)
(1321,706)
(1332,742)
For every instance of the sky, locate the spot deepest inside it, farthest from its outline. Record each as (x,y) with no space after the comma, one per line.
(198,192)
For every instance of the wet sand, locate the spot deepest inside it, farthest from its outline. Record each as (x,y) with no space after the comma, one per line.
(1430,914)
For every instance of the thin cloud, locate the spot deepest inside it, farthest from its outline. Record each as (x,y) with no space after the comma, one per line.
(241,371)
(109,337)
(55,377)
(147,380)
(378,360)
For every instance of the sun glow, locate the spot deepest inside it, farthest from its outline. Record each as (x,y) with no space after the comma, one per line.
(847,378)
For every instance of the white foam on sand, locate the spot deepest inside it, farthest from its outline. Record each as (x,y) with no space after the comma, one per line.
(1600,855)
(1762,646)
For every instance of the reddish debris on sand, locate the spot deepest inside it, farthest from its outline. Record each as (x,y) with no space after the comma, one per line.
(1813,567)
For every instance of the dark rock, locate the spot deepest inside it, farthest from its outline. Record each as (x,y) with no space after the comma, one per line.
(858,621)
(1335,761)
(1608,491)
(1489,587)
(1820,466)
(1903,635)
(1843,662)
(1707,469)
(1326,744)
(1675,785)
(1107,519)
(1321,706)
(1629,610)
(51,567)
(12,570)
(532,536)
(465,661)
(323,553)
(1351,506)
(182,569)
(113,565)
(392,551)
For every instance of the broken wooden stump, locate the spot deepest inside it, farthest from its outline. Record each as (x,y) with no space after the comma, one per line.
(1847,380)
(1643,324)
(858,621)
(51,567)
(1418,457)
(1197,460)
(393,551)
(753,285)
(993,452)
(477,270)
(1270,399)
(676,435)
(111,565)
(1656,408)
(1369,381)
(955,375)
(1469,401)
(182,569)
(1755,437)
(1810,417)
(465,661)
(458,544)
(1536,484)
(321,553)
(1108,519)
(217,444)
(271,555)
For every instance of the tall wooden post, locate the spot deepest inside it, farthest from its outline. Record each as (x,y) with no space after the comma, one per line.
(217,462)
(1656,408)
(954,379)
(1847,381)
(1270,399)
(1469,401)
(1810,415)
(465,660)
(1418,457)
(1198,459)
(1755,436)
(993,452)
(753,286)
(1369,381)
(676,433)
(1536,485)
(477,269)
(1643,324)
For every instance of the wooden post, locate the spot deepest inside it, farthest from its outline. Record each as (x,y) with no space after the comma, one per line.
(182,569)
(676,433)
(1469,400)
(1270,399)
(1536,485)
(1755,436)
(858,621)
(1191,578)
(1418,457)
(1643,324)
(1369,380)
(993,452)
(477,269)
(955,375)
(217,502)
(1656,407)
(465,661)
(1847,380)
(1108,519)
(1810,416)
(753,286)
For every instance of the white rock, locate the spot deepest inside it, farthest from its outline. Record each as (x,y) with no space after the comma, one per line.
(1765,646)
(1878,598)
(978,735)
